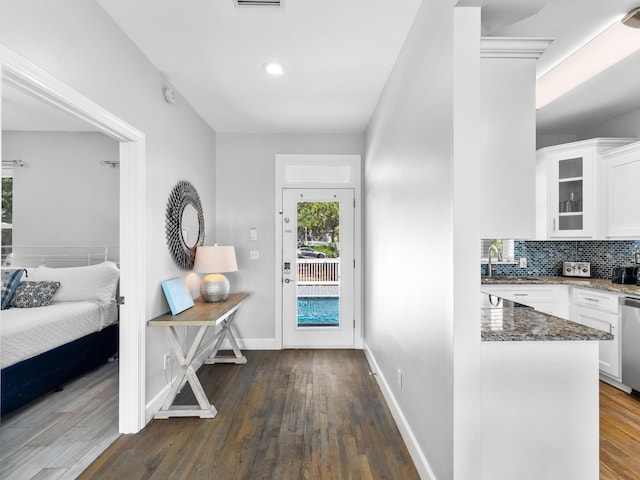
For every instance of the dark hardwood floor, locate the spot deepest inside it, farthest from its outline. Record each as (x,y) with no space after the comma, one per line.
(291,414)
(308,414)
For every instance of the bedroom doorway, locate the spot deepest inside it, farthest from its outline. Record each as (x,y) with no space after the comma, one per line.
(21,74)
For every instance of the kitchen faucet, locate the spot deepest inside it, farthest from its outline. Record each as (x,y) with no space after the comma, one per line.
(492,247)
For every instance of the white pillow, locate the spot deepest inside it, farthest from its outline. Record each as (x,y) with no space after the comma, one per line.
(94,282)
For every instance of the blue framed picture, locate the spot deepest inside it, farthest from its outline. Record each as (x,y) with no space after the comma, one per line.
(178,295)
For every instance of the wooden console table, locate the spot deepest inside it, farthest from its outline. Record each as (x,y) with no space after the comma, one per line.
(203,315)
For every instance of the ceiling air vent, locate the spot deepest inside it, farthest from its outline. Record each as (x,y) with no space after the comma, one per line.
(261,3)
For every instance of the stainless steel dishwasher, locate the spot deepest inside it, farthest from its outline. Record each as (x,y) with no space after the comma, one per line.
(630,336)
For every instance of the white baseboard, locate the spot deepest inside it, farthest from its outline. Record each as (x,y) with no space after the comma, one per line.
(614,383)
(155,404)
(420,461)
(252,344)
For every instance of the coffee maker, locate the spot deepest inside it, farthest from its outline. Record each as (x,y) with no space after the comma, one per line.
(625,275)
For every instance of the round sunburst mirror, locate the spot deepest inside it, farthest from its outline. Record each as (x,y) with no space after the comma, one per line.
(184,224)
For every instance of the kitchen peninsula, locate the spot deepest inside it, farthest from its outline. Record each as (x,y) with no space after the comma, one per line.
(540,396)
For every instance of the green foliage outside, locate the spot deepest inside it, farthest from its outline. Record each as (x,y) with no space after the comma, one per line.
(319,221)
(498,244)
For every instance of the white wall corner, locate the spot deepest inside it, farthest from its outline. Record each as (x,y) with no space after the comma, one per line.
(419,460)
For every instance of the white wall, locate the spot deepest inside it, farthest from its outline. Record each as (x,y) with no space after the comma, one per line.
(421,176)
(245,198)
(408,209)
(546,140)
(76,42)
(64,196)
(508,147)
(624,126)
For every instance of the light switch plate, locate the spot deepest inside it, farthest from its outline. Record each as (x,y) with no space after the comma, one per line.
(253,233)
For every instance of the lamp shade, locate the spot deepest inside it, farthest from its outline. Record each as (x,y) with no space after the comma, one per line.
(215,259)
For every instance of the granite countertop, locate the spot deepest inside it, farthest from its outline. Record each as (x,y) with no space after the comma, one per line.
(595,283)
(507,321)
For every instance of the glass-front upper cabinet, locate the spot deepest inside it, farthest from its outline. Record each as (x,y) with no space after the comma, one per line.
(570,191)
(569,200)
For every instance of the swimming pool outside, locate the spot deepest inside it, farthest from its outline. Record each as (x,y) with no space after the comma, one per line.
(318,311)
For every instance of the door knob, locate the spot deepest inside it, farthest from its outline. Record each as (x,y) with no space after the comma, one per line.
(286,280)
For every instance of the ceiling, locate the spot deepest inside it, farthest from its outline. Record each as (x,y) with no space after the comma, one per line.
(571,23)
(337,56)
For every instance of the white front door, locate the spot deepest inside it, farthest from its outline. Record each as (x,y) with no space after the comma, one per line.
(318,268)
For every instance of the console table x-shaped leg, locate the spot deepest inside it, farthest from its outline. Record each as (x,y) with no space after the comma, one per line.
(226,332)
(204,409)
(202,316)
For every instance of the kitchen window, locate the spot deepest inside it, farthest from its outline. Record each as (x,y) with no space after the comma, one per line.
(504,246)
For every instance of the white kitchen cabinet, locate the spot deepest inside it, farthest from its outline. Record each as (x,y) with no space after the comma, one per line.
(549,299)
(622,177)
(507,155)
(609,349)
(570,189)
(596,299)
(600,310)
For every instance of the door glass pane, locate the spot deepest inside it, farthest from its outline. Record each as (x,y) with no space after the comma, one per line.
(570,186)
(318,264)
(570,196)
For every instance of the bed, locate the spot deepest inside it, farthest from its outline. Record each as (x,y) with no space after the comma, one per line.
(43,347)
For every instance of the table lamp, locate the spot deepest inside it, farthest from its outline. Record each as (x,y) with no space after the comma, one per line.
(214,261)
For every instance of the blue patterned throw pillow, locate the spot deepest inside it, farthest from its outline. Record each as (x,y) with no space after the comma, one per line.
(33,294)
(10,281)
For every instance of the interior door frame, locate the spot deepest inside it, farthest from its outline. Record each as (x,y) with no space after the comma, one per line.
(132,354)
(319,171)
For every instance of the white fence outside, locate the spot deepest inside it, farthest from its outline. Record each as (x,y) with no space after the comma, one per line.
(318,271)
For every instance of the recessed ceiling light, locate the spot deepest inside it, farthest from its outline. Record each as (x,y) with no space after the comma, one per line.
(606,49)
(273,68)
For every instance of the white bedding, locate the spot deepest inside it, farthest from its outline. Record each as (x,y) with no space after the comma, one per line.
(27,332)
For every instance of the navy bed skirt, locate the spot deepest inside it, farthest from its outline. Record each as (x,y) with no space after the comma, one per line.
(32,378)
